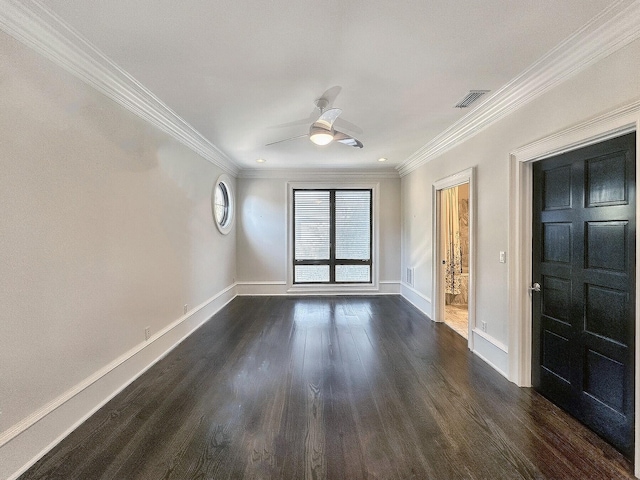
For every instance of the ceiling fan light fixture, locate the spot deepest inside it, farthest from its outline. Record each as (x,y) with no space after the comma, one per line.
(321,132)
(320,136)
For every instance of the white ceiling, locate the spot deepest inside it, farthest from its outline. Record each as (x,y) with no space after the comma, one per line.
(238,71)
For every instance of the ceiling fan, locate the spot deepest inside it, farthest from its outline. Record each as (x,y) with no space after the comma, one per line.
(322,132)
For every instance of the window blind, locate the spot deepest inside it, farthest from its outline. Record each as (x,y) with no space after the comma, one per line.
(353,225)
(332,236)
(312,225)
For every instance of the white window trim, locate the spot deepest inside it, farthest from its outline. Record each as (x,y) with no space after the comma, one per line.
(231,210)
(334,288)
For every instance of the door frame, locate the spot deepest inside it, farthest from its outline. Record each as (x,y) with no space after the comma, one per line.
(609,125)
(460,178)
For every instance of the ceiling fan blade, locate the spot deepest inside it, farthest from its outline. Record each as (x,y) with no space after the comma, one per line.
(303,121)
(331,93)
(342,123)
(287,139)
(346,139)
(328,117)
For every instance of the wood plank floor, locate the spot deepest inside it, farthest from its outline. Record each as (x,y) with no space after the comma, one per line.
(327,388)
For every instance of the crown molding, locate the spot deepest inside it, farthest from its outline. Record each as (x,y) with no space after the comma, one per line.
(36,26)
(611,124)
(317,174)
(33,24)
(612,29)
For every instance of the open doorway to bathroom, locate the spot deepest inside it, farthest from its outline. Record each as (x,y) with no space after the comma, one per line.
(454,257)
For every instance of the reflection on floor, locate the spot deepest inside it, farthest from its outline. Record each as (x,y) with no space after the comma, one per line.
(457,317)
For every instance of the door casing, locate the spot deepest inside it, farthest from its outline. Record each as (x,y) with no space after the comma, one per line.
(612,124)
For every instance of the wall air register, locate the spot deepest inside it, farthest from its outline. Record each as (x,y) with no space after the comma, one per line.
(471,97)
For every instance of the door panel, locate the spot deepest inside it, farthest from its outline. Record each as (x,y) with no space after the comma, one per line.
(584,259)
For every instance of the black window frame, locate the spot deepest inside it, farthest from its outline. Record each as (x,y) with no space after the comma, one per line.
(332,262)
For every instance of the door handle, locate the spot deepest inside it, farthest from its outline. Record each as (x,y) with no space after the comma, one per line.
(535,287)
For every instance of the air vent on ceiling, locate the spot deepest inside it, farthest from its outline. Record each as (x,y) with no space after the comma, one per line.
(471,97)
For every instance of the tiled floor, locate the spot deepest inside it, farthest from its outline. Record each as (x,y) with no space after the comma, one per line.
(457,317)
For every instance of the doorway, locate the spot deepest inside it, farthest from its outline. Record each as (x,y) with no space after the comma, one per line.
(454,242)
(583,295)
(453,253)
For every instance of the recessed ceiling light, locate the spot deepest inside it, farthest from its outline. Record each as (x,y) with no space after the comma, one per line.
(261,160)
(382,159)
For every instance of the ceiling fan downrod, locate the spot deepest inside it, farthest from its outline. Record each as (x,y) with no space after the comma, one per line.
(322,103)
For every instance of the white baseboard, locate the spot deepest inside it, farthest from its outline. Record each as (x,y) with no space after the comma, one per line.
(492,351)
(487,348)
(261,288)
(25,443)
(281,288)
(417,299)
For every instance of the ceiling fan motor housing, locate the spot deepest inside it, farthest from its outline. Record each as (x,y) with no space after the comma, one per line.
(322,103)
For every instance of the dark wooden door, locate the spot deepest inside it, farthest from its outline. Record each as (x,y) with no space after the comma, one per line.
(584,261)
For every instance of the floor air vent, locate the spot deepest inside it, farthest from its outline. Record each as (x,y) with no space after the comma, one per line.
(471,97)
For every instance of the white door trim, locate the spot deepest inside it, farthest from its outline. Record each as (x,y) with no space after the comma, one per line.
(466,176)
(609,125)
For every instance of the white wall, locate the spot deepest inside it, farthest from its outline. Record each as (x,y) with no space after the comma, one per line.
(262,230)
(610,83)
(106,229)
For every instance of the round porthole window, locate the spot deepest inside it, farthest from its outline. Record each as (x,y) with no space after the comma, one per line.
(222,204)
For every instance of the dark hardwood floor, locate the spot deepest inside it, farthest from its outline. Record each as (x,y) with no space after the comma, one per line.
(331,387)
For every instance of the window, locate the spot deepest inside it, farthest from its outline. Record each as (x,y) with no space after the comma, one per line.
(332,236)
(222,204)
